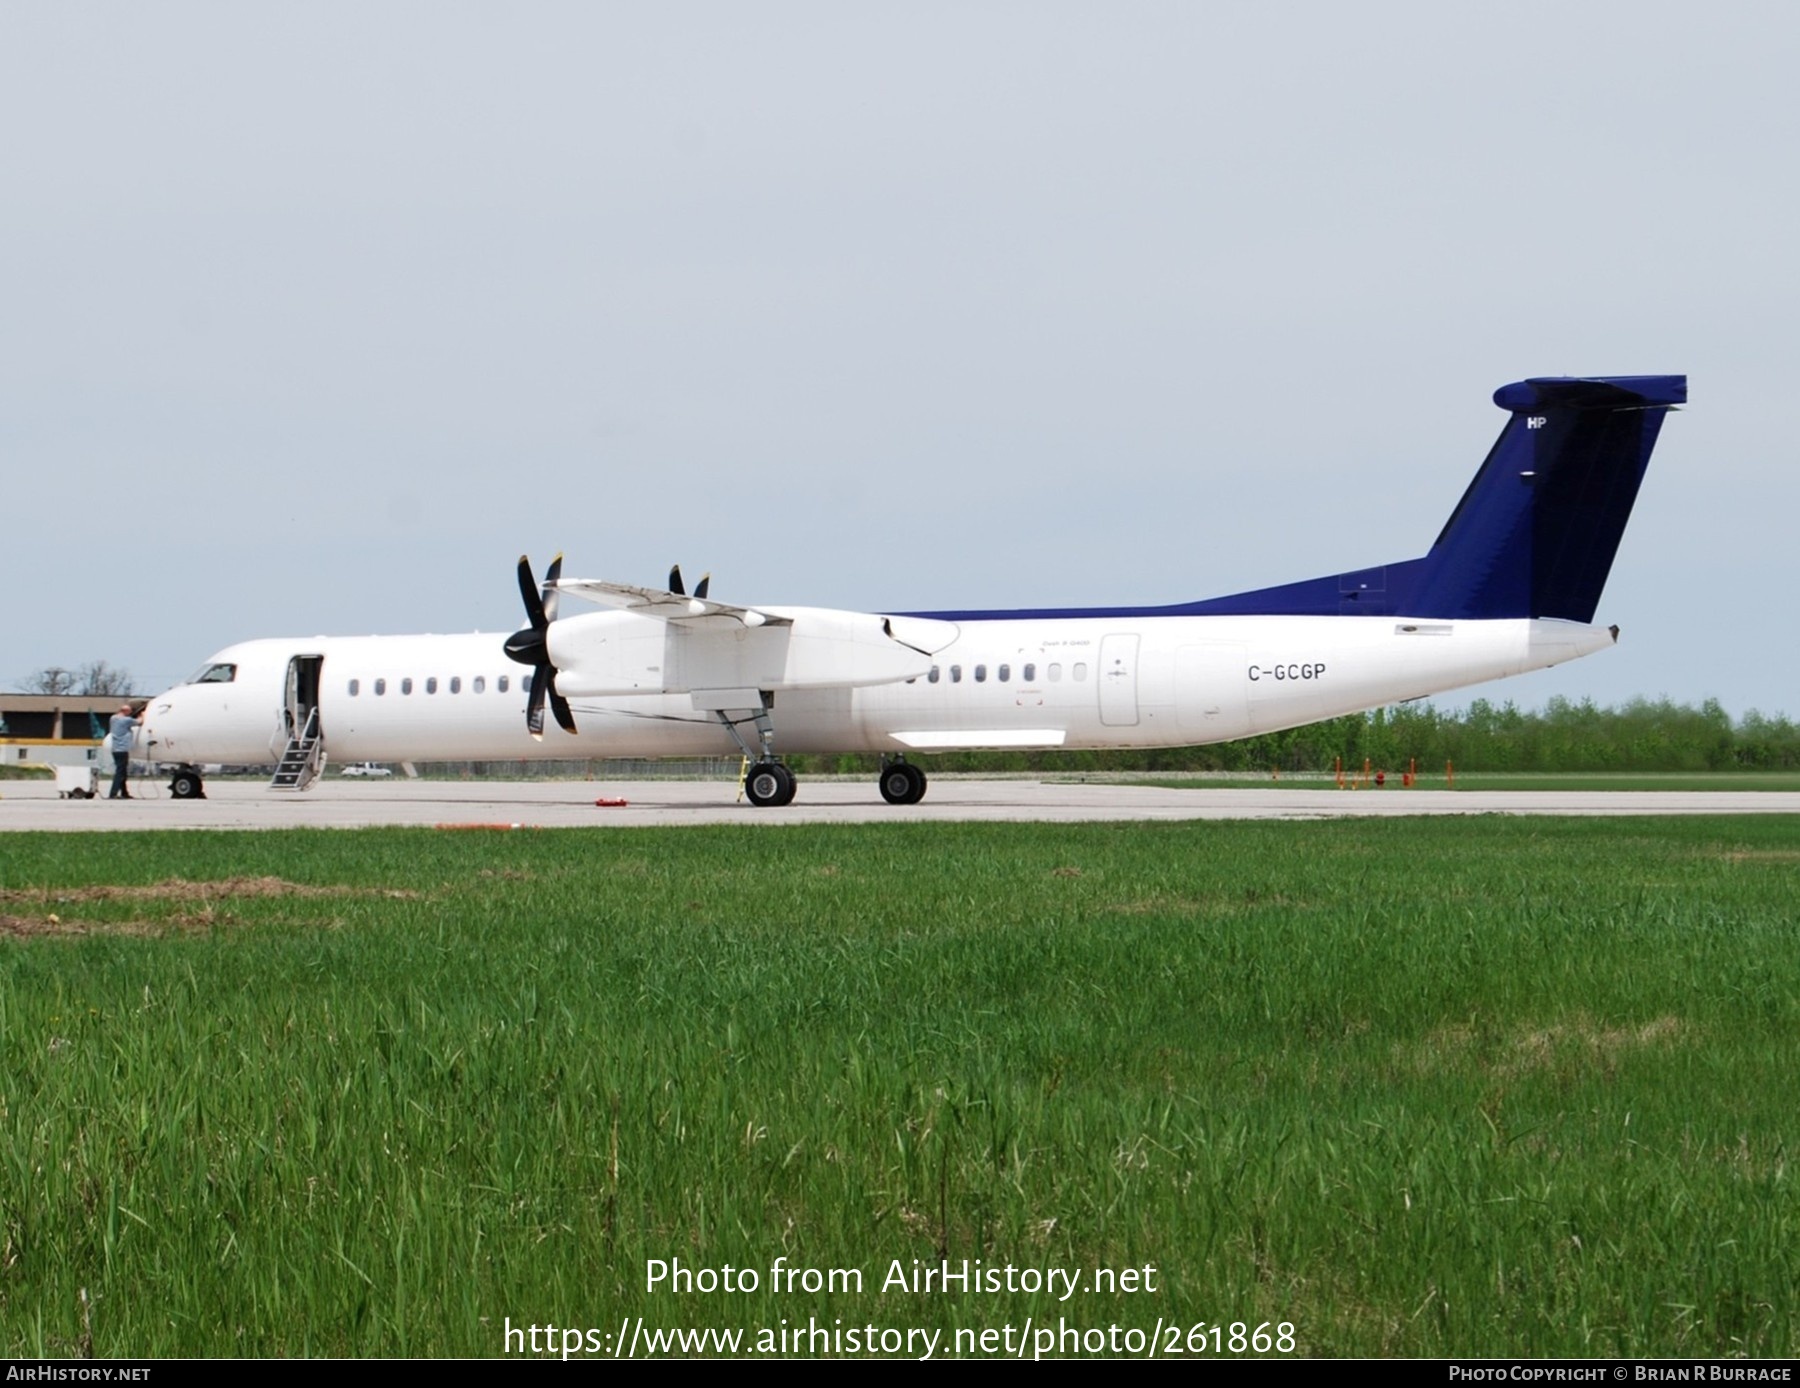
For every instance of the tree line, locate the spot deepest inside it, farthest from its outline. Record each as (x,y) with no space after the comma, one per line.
(95,679)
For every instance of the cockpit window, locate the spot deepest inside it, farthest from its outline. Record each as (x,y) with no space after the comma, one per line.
(214,674)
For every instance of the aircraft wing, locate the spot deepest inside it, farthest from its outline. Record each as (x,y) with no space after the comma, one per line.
(665,605)
(725,655)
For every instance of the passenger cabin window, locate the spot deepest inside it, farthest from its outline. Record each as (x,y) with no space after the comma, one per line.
(933,676)
(1080,670)
(456,684)
(380,687)
(1055,672)
(1029,674)
(525,684)
(500,684)
(431,684)
(478,684)
(355,688)
(956,674)
(1004,673)
(214,674)
(406,685)
(981,674)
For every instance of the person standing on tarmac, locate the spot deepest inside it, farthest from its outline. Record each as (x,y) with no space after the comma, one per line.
(118,741)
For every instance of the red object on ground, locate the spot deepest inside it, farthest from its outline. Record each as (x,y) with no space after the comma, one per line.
(612,804)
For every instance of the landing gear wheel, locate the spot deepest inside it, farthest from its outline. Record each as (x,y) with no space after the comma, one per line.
(185,785)
(902,783)
(769,783)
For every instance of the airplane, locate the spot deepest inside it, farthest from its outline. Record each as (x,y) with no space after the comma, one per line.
(1510,585)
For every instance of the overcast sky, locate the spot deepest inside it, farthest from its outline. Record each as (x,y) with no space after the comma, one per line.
(314,317)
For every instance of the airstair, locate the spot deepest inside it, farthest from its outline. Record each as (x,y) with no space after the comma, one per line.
(303,758)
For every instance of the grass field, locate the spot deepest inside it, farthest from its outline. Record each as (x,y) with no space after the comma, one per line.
(1477,1086)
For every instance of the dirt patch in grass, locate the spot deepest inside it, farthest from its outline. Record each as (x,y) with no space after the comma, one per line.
(1221,905)
(208,905)
(1158,905)
(1538,1050)
(52,925)
(36,927)
(179,889)
(1544,1048)
(1763,855)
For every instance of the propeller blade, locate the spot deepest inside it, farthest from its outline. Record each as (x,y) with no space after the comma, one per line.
(701,587)
(528,589)
(565,716)
(675,581)
(534,711)
(551,574)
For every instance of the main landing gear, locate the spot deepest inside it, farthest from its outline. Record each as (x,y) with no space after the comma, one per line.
(901,782)
(185,784)
(767,781)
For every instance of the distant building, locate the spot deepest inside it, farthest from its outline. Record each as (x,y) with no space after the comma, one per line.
(56,729)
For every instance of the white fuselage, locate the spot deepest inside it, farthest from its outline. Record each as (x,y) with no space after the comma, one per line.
(1024,682)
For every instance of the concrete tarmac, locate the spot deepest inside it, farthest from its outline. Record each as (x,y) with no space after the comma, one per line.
(340,804)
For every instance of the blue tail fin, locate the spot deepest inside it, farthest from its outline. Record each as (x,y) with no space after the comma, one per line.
(1536,532)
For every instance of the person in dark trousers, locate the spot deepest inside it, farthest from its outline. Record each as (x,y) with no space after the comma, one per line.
(118,741)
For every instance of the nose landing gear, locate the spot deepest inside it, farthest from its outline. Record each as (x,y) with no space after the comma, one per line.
(185,784)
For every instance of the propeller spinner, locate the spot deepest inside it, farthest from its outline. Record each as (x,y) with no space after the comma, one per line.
(530,646)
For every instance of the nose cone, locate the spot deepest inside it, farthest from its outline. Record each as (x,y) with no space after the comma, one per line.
(151,735)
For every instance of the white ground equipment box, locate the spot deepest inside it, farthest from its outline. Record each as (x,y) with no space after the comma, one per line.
(75,782)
